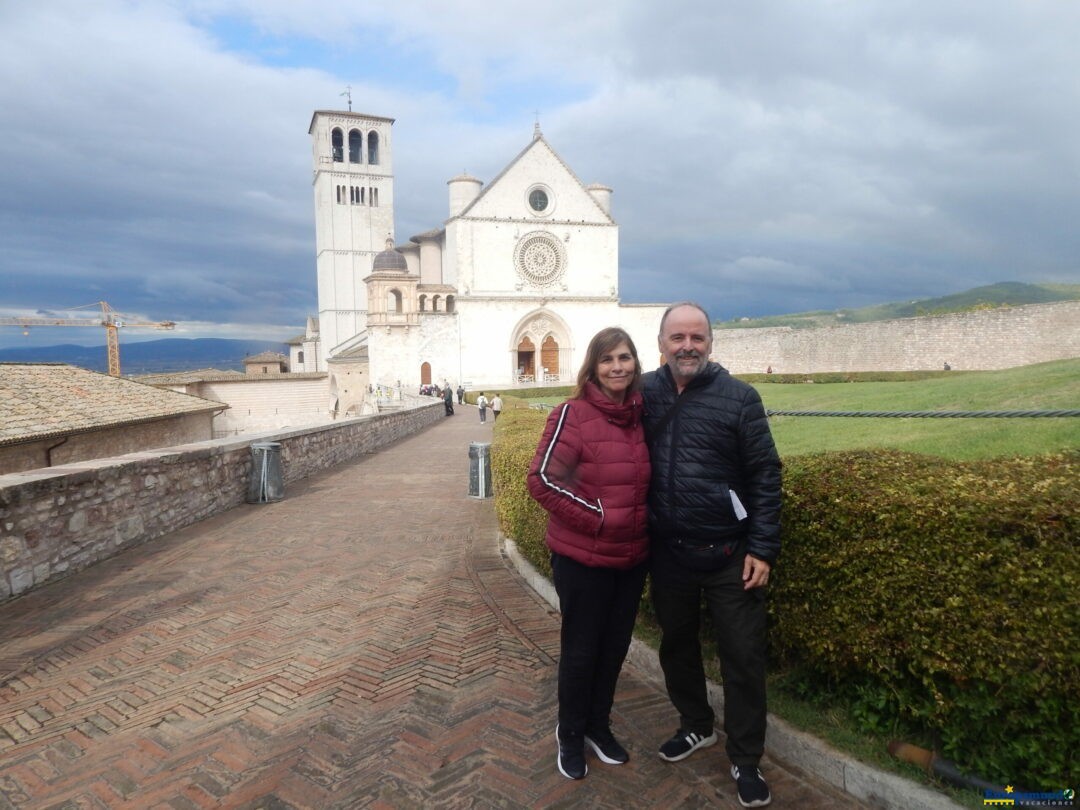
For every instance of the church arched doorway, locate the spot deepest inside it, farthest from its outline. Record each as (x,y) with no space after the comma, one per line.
(425,373)
(526,360)
(541,349)
(549,358)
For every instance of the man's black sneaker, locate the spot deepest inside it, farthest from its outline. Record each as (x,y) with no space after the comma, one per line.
(607,747)
(753,792)
(571,759)
(684,743)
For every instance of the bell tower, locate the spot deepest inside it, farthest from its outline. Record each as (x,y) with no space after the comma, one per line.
(353,182)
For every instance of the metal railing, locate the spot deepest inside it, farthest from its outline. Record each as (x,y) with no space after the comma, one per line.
(932,414)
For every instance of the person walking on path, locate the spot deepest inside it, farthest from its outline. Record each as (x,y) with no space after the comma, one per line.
(591,474)
(460,394)
(714,521)
(482,404)
(448,399)
(496,406)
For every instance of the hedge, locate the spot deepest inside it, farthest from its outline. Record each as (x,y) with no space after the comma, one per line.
(937,597)
(940,596)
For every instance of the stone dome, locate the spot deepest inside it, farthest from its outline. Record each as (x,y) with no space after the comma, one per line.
(389,259)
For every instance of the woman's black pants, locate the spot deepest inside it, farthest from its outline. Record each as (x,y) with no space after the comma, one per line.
(599,606)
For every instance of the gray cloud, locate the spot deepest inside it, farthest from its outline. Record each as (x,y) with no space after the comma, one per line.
(765,157)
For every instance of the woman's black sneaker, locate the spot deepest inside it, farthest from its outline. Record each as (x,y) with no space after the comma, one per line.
(607,747)
(571,759)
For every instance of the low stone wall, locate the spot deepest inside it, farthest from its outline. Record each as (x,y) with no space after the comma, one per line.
(59,520)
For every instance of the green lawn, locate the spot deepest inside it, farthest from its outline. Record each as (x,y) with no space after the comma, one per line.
(1046,386)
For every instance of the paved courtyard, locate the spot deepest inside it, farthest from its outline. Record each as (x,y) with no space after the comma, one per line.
(360,644)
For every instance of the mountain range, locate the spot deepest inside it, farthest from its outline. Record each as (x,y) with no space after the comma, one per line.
(151,356)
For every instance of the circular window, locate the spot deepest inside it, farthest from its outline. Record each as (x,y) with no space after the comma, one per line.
(538,199)
(540,259)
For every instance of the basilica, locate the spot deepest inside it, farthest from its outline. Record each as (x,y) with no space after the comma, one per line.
(505,293)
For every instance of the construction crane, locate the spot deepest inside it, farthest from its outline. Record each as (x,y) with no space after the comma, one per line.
(110,319)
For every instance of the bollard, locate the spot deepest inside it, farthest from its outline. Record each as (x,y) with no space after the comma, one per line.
(480,470)
(267,482)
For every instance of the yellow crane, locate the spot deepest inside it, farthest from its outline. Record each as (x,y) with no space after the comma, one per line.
(110,319)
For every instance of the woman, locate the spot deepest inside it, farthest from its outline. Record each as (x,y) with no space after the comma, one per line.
(591,473)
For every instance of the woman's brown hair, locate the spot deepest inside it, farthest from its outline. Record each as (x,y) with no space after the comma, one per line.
(604,341)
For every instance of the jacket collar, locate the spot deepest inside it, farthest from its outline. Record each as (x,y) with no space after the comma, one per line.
(700,380)
(627,413)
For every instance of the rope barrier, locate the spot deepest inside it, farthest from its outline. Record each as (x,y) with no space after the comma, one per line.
(934,414)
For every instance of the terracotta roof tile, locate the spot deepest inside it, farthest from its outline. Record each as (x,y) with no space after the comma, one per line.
(52,399)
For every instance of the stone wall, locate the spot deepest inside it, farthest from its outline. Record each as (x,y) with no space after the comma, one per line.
(76,447)
(59,520)
(982,340)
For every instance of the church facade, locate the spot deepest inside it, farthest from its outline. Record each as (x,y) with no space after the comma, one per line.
(507,292)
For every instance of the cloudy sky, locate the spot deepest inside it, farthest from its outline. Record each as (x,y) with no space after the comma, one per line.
(766,157)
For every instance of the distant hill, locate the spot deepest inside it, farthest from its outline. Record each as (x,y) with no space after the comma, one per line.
(151,356)
(1004,294)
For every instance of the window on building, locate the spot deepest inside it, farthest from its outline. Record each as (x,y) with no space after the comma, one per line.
(375,197)
(423,303)
(300,357)
(393,301)
(336,140)
(434,303)
(356,146)
(449,303)
(373,148)
(361,195)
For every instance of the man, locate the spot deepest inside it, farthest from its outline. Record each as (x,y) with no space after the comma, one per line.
(448,399)
(714,522)
(481,404)
(496,406)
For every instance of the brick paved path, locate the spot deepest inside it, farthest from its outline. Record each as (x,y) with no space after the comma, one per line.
(360,644)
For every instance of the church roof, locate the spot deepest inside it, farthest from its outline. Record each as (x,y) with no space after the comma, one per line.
(538,138)
(389,259)
(346,114)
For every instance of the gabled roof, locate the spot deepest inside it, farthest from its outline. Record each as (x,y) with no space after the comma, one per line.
(266,357)
(537,141)
(197,375)
(43,400)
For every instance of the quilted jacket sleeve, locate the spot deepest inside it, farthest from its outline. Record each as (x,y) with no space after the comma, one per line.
(761,478)
(553,479)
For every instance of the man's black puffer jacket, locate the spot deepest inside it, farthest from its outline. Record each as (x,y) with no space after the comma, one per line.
(718,441)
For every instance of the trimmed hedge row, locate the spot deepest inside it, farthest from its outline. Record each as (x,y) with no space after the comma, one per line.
(938,598)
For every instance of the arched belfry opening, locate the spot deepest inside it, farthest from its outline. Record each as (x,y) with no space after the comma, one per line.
(541,349)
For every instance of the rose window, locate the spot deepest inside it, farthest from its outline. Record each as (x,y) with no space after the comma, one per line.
(540,259)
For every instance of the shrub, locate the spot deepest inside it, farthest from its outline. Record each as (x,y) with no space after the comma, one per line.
(514,443)
(940,596)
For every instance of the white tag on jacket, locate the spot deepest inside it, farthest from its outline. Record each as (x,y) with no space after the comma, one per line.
(736,504)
